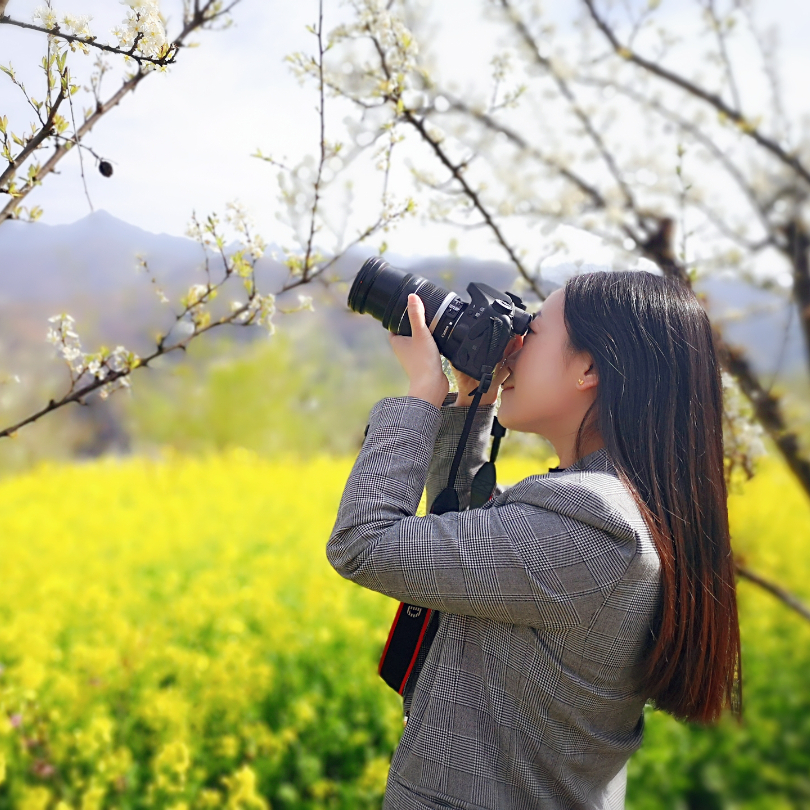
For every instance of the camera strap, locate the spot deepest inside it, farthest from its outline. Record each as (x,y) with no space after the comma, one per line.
(414,627)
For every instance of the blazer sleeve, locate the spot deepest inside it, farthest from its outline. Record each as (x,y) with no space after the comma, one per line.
(508,561)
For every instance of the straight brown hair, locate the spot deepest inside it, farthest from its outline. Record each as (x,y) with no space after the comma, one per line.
(658,409)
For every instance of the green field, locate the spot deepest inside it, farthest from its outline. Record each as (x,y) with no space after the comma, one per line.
(173,637)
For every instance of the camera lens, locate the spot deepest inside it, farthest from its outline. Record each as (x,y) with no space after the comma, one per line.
(382,291)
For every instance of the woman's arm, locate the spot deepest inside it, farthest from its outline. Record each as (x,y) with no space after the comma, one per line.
(513,562)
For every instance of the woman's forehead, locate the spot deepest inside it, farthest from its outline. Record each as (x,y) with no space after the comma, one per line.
(552,306)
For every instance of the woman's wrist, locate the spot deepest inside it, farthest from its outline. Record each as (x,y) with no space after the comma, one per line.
(432,393)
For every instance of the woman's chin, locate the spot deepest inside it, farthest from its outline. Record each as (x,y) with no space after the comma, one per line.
(503,414)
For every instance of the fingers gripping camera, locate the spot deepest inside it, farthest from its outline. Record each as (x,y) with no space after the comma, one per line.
(472,336)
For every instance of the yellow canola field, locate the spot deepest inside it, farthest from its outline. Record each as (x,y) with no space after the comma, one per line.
(148,609)
(171,635)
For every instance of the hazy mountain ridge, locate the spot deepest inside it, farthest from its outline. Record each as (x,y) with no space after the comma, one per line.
(89,268)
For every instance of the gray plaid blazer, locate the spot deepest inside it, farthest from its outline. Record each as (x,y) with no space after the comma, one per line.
(530,696)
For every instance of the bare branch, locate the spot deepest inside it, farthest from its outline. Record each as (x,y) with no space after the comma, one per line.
(746,126)
(322,161)
(34,143)
(161,61)
(197,21)
(569,95)
(127,87)
(776,590)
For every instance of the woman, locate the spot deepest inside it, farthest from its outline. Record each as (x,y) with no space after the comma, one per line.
(574,597)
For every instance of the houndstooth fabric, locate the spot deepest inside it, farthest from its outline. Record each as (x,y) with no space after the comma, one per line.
(530,696)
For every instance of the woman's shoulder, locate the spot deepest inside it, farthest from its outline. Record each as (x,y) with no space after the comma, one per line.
(589,492)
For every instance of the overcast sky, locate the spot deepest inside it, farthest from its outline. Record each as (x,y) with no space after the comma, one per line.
(184,140)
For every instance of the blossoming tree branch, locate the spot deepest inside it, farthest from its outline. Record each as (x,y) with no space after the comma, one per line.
(141,40)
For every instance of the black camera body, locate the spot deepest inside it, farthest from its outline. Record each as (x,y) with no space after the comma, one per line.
(472,336)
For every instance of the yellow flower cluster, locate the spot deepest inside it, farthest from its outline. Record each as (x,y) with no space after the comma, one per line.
(170,634)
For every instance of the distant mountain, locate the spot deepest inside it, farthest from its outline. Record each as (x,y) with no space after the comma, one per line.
(95,255)
(89,268)
(761,320)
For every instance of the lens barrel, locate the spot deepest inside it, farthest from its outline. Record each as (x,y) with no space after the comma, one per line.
(382,291)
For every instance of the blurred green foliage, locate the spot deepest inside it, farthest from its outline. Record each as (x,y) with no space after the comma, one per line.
(289,395)
(294,395)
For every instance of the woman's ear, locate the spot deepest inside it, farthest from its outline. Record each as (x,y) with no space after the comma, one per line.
(588,377)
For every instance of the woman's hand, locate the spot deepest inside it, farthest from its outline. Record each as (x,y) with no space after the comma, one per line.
(419,356)
(467,385)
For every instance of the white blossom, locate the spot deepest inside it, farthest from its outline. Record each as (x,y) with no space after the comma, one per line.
(78,25)
(196,294)
(142,24)
(100,366)
(64,337)
(744,436)
(184,327)
(95,368)
(45,17)
(260,311)
(237,215)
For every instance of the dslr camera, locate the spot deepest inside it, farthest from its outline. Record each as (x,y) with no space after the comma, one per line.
(472,335)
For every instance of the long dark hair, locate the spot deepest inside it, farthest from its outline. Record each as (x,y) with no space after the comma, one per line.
(658,409)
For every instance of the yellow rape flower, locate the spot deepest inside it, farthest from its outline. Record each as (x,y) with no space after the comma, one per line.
(242,793)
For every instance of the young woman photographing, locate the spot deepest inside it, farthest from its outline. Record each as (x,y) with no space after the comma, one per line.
(574,597)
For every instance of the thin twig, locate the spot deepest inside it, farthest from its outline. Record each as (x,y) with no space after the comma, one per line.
(32,145)
(81,159)
(768,56)
(198,20)
(746,126)
(128,86)
(518,140)
(569,95)
(701,137)
(361,237)
(775,590)
(419,125)
(721,44)
(161,61)
(322,161)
